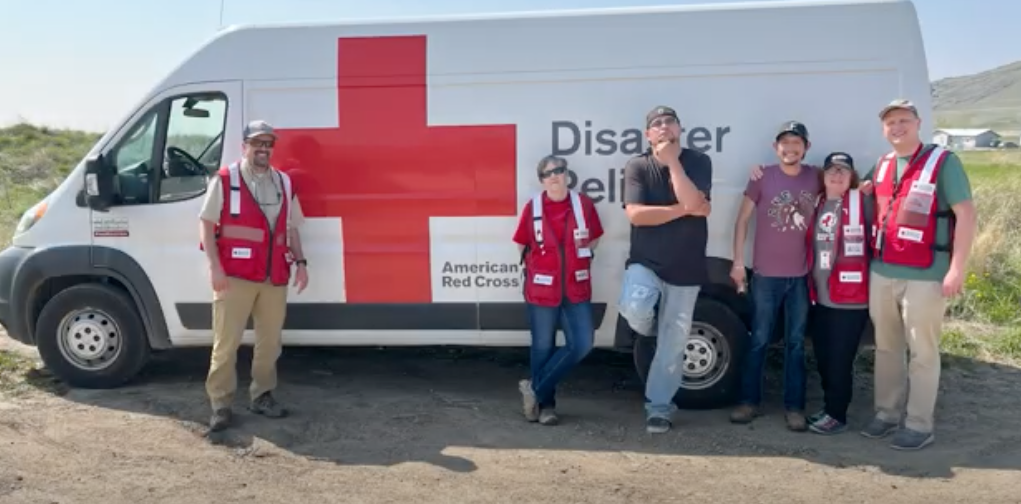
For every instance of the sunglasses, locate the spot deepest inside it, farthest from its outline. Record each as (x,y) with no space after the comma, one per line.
(560,170)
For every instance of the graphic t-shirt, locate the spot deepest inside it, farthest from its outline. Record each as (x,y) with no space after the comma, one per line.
(783,205)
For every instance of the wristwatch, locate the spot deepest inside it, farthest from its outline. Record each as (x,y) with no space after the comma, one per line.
(301,262)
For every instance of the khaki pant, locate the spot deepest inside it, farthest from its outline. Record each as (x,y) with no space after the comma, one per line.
(267,304)
(908,318)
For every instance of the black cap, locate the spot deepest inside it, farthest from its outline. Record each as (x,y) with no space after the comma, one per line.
(838,159)
(793,127)
(659,111)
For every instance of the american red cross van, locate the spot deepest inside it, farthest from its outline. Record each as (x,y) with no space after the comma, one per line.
(412,145)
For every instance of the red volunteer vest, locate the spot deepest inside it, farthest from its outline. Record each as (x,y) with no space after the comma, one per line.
(904,232)
(849,270)
(552,269)
(247,248)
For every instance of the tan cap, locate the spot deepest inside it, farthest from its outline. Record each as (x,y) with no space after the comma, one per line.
(899,103)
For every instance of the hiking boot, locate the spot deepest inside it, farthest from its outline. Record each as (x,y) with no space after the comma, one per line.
(744,413)
(657,425)
(529,403)
(266,406)
(827,425)
(878,429)
(548,416)
(796,421)
(220,419)
(908,439)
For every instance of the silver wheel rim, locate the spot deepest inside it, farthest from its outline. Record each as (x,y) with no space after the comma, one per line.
(89,339)
(706,357)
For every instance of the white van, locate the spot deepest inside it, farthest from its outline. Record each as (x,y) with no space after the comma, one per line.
(413,145)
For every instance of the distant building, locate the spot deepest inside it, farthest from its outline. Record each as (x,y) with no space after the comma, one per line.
(962,139)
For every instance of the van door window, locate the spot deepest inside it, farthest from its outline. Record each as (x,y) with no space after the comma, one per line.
(169,154)
(194,145)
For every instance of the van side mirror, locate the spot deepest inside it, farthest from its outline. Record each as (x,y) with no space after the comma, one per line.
(99,183)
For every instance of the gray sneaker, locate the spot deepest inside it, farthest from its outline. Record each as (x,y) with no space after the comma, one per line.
(908,439)
(548,416)
(267,406)
(529,403)
(878,429)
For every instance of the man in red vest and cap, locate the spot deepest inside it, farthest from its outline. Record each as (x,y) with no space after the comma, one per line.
(921,239)
(249,231)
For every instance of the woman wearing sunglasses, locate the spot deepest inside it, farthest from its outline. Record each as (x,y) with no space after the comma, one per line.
(557,234)
(838,286)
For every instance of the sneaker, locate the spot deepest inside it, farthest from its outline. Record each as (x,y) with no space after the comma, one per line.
(908,439)
(529,404)
(220,419)
(815,417)
(796,421)
(548,416)
(827,425)
(744,413)
(657,425)
(267,406)
(878,429)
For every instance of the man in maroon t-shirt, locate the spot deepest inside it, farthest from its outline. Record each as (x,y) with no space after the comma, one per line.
(782,202)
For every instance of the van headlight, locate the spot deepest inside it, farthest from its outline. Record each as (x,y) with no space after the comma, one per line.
(30,217)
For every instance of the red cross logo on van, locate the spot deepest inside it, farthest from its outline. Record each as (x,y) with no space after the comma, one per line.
(385,171)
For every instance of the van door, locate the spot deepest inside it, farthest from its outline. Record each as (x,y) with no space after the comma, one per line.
(164,156)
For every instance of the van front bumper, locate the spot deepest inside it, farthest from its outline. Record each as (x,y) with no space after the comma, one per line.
(13,309)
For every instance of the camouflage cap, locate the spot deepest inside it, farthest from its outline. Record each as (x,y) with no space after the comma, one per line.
(900,103)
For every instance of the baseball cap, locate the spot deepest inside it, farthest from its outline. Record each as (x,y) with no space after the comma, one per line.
(899,103)
(838,159)
(659,111)
(258,127)
(794,127)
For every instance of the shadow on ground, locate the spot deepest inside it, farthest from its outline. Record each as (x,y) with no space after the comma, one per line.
(390,406)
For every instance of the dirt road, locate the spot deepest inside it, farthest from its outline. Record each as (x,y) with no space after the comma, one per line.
(445,426)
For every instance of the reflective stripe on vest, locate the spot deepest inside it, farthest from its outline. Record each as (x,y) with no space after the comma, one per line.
(854,208)
(579,215)
(924,178)
(235,187)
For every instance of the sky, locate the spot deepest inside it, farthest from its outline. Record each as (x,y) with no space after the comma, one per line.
(81,63)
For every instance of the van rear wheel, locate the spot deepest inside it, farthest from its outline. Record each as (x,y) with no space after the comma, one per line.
(712,356)
(91,336)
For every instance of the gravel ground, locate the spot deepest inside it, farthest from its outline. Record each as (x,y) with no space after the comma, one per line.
(388,426)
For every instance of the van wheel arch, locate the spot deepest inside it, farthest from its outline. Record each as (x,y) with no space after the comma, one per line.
(49,271)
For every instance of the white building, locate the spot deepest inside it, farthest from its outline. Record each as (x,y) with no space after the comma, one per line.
(960,139)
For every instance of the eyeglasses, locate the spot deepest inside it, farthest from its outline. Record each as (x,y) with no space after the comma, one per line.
(267,144)
(560,170)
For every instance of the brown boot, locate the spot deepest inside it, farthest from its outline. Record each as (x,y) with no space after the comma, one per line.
(796,421)
(744,413)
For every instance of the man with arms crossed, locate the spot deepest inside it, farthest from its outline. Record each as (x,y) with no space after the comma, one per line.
(666,198)
(922,236)
(782,201)
(249,229)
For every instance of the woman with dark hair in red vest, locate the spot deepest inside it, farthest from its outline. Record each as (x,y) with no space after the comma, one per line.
(838,286)
(557,235)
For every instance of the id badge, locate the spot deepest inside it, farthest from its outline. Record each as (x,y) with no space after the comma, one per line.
(542,279)
(853,249)
(581,243)
(824,260)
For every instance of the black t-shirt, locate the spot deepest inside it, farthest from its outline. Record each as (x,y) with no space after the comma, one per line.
(675,250)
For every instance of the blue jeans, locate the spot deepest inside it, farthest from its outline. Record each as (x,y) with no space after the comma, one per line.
(549,363)
(639,295)
(768,294)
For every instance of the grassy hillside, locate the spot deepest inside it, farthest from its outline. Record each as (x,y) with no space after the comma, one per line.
(985,322)
(990,99)
(33,160)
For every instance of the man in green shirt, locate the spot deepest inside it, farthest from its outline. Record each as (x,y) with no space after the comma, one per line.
(907,304)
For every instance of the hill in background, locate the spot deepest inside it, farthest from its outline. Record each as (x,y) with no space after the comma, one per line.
(989,99)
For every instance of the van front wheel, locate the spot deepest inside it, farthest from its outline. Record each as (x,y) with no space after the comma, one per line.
(712,356)
(91,336)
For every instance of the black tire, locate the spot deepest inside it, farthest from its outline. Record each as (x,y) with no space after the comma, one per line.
(100,318)
(716,328)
